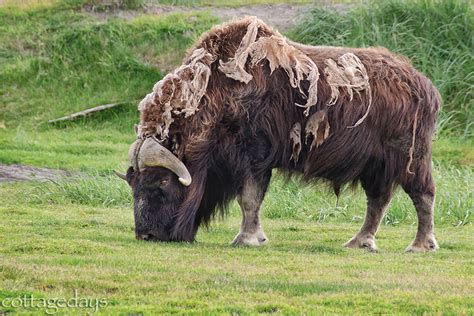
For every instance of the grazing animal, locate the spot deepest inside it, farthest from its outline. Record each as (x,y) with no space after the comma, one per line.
(247,100)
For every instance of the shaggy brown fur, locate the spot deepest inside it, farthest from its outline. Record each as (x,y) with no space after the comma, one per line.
(231,111)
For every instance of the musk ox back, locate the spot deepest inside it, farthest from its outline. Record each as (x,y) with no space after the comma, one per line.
(247,100)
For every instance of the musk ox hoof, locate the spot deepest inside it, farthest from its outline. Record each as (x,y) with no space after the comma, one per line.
(364,242)
(247,239)
(428,244)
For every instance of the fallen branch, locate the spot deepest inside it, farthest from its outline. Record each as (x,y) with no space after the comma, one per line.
(74,116)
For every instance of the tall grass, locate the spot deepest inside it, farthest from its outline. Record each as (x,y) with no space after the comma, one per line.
(289,199)
(436,35)
(94,190)
(292,199)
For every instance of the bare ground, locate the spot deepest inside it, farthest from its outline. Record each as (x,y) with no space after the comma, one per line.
(281,16)
(12,173)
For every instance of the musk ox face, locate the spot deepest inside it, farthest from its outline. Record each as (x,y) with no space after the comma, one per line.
(157,194)
(158,180)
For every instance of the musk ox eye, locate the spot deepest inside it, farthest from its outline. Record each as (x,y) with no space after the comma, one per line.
(164,182)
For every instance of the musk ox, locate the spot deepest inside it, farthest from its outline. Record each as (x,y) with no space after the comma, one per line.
(247,100)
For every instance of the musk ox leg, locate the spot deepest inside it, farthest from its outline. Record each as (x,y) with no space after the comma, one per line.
(422,193)
(250,199)
(376,207)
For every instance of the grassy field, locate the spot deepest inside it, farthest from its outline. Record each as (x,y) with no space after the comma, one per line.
(77,234)
(51,250)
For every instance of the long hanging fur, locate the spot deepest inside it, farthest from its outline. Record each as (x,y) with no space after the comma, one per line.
(233,108)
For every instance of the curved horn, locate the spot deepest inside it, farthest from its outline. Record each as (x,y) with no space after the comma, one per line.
(120,175)
(153,154)
(133,152)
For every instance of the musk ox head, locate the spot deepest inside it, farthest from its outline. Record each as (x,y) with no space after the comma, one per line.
(157,177)
(158,180)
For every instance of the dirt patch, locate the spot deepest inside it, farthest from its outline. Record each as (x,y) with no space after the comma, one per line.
(281,16)
(12,173)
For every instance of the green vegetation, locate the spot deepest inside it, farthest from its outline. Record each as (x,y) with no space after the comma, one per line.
(77,233)
(57,61)
(54,64)
(51,250)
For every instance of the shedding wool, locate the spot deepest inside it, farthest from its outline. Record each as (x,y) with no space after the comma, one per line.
(413,138)
(279,53)
(349,73)
(317,128)
(178,93)
(295,137)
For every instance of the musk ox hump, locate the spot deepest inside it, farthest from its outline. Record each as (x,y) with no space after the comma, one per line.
(234,68)
(279,53)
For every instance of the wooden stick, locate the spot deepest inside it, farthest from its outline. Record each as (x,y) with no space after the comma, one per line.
(88,111)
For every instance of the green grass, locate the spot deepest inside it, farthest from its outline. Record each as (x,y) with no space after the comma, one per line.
(51,250)
(74,148)
(77,233)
